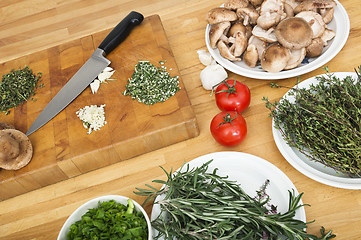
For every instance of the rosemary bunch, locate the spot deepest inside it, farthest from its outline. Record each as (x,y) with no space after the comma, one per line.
(324,122)
(17,87)
(199,204)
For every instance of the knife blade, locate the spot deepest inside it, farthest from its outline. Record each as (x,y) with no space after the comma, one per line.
(88,72)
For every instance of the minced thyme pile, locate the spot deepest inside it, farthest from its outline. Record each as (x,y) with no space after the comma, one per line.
(17,87)
(150,84)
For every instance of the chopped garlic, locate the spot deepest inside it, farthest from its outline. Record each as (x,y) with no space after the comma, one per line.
(101,78)
(93,117)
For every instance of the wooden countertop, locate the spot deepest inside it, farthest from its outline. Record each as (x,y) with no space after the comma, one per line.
(28,26)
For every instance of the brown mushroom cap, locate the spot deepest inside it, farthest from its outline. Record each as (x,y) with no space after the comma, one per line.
(16,150)
(217,15)
(315,21)
(315,48)
(6,126)
(250,56)
(294,33)
(275,58)
(235,4)
(314,5)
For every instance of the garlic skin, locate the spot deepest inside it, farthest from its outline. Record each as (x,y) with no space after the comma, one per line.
(205,58)
(212,75)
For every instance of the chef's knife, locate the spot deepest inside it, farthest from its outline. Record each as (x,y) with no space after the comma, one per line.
(88,72)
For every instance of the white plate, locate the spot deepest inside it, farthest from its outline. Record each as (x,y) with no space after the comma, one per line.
(80,211)
(340,24)
(311,169)
(250,172)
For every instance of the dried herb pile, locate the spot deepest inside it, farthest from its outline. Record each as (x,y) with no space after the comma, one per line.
(202,205)
(17,87)
(324,122)
(150,84)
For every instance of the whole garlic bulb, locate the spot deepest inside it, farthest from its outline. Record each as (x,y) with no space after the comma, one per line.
(212,75)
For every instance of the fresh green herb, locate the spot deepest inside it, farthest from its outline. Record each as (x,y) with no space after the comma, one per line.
(111,221)
(17,87)
(324,122)
(150,84)
(199,204)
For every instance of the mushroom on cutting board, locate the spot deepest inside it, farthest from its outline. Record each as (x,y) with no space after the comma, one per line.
(275,58)
(16,150)
(294,33)
(217,15)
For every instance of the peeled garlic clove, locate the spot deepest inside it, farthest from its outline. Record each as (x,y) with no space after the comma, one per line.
(212,75)
(108,69)
(205,57)
(105,75)
(94,86)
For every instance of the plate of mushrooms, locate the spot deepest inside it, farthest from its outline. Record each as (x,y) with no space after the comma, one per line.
(276,39)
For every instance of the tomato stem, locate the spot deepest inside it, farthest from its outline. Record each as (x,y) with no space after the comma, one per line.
(231,89)
(228,119)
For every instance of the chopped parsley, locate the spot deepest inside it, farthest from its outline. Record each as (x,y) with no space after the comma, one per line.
(150,84)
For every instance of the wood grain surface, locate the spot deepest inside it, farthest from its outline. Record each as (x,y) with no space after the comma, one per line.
(28,26)
(62,147)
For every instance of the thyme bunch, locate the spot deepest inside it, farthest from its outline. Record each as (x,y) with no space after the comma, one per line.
(17,87)
(324,122)
(199,204)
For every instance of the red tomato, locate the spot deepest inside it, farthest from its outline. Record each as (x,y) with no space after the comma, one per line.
(232,95)
(228,128)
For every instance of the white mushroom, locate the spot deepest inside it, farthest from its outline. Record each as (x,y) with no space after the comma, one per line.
(315,21)
(235,4)
(218,31)
(275,58)
(296,58)
(265,35)
(217,15)
(294,33)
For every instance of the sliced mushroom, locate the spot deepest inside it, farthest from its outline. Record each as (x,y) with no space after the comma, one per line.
(235,4)
(218,31)
(294,33)
(296,58)
(265,35)
(16,150)
(314,5)
(249,15)
(217,15)
(250,56)
(315,21)
(327,14)
(315,48)
(225,51)
(328,35)
(275,58)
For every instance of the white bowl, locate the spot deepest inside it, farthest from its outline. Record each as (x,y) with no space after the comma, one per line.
(80,211)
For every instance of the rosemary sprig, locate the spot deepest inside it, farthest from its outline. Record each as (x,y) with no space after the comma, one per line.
(324,122)
(17,87)
(199,204)
(150,84)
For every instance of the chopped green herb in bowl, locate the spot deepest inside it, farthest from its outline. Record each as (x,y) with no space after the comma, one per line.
(108,217)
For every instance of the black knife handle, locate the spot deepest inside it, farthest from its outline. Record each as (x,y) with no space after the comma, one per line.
(121,31)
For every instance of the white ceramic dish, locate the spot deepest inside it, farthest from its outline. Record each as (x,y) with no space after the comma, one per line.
(250,172)
(340,24)
(79,212)
(311,169)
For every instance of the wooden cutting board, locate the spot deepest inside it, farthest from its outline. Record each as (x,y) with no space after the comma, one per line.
(62,147)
